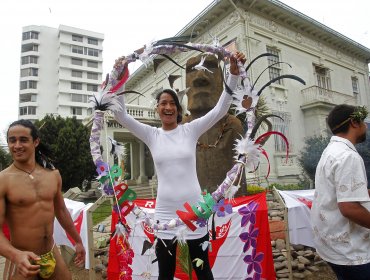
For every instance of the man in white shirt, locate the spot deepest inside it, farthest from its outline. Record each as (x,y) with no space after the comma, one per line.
(340,211)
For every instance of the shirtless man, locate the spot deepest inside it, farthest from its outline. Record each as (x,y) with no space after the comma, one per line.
(30,199)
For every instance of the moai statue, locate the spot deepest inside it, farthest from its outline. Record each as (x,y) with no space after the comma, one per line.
(215,155)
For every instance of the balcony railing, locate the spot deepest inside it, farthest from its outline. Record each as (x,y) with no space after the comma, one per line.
(141,112)
(315,94)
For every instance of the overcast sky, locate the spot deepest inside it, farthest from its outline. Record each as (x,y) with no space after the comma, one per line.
(128,25)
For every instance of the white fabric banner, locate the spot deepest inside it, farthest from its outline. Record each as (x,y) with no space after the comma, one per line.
(227,248)
(299,221)
(78,211)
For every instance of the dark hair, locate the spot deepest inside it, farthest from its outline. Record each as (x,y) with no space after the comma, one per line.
(177,102)
(339,118)
(42,153)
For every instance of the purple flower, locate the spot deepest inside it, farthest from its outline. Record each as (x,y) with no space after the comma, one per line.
(220,208)
(254,262)
(108,190)
(256,276)
(249,213)
(201,222)
(102,168)
(116,208)
(250,239)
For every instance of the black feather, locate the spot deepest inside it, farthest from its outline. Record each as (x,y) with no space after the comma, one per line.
(259,122)
(170,59)
(227,88)
(172,79)
(156,63)
(101,106)
(165,41)
(294,77)
(129,91)
(266,69)
(185,46)
(261,55)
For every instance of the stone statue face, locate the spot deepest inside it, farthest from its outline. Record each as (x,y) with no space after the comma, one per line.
(205,87)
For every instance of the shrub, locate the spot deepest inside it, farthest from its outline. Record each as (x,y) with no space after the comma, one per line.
(254,189)
(287,187)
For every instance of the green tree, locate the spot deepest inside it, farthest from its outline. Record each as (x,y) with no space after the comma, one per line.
(314,146)
(310,155)
(68,140)
(364,151)
(5,158)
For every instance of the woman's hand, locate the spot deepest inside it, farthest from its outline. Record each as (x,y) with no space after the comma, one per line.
(238,56)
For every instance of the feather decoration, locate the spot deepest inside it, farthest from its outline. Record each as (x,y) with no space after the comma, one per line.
(251,150)
(294,77)
(172,79)
(230,192)
(259,122)
(121,231)
(181,235)
(261,137)
(268,67)
(156,62)
(258,57)
(105,101)
(183,39)
(130,91)
(172,60)
(106,97)
(117,148)
(268,161)
(227,88)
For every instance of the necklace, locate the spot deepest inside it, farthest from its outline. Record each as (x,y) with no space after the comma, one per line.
(25,171)
(222,131)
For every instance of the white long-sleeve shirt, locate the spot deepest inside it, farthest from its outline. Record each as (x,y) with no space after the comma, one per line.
(174,155)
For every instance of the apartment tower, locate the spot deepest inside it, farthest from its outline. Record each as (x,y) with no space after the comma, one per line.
(60,69)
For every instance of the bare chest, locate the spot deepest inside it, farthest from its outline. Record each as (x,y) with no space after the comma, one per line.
(26,191)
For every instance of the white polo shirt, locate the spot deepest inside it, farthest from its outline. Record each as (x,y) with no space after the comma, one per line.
(340,177)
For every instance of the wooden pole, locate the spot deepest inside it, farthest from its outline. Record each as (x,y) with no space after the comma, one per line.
(287,238)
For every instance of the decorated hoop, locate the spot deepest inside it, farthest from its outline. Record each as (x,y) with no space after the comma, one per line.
(247,150)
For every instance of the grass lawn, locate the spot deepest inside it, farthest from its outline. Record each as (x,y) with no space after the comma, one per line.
(102,212)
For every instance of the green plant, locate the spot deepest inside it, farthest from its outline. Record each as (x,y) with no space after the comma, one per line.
(287,187)
(254,189)
(68,141)
(5,158)
(310,155)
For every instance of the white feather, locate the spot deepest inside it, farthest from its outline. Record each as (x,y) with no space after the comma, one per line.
(181,235)
(120,231)
(230,192)
(246,147)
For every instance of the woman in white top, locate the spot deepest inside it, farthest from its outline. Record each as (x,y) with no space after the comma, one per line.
(173,148)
